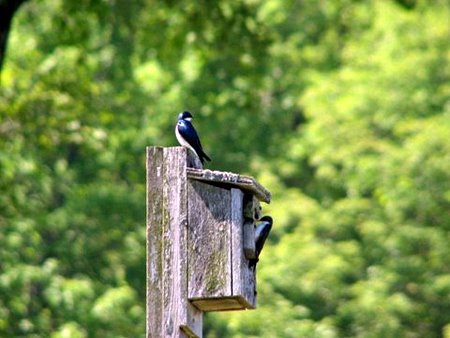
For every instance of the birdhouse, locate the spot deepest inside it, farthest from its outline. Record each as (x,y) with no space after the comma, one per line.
(200,239)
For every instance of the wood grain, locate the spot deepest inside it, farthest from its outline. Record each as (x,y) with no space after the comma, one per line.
(154,243)
(244,280)
(200,234)
(168,312)
(209,259)
(231,180)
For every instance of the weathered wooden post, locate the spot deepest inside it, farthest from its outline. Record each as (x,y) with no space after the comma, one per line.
(200,235)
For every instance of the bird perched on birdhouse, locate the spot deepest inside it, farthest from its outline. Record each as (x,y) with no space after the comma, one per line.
(261,233)
(187,136)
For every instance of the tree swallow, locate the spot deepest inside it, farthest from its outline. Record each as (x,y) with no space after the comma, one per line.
(187,136)
(261,233)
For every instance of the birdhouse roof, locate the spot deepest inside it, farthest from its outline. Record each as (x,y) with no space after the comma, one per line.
(230,180)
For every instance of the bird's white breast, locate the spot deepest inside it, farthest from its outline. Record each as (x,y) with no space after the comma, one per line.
(182,141)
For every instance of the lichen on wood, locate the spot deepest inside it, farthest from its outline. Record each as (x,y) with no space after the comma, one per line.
(231,180)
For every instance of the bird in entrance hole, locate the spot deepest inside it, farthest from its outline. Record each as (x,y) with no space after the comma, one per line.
(261,233)
(187,136)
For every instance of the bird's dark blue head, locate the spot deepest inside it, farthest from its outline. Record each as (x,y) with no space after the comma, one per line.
(185,116)
(266,219)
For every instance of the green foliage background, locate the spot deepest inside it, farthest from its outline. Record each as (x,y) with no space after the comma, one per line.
(341,108)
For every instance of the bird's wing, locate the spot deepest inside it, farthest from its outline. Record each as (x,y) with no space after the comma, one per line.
(188,132)
(261,234)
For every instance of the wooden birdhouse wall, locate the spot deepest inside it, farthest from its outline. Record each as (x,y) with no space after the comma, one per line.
(218,275)
(200,234)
